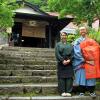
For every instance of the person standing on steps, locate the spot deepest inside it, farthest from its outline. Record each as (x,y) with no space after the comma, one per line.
(64,56)
(79,62)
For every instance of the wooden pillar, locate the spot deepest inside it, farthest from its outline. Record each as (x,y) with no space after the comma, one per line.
(50,36)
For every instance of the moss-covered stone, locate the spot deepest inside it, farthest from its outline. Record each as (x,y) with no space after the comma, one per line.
(14,66)
(9,79)
(49,90)
(21,73)
(5,72)
(3,66)
(8,90)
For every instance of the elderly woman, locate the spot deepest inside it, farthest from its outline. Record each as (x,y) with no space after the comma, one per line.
(64,55)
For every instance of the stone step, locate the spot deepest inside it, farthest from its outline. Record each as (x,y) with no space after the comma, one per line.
(6,59)
(23,54)
(27,79)
(14,66)
(31,49)
(49,98)
(41,67)
(40,62)
(21,61)
(28,88)
(33,89)
(27,72)
(31,58)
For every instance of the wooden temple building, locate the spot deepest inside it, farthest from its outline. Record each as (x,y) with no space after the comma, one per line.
(35,28)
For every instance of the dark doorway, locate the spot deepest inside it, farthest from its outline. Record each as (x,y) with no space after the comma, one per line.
(17,33)
(33,42)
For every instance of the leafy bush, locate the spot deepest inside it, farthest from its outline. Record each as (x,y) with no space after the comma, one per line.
(95,35)
(92,34)
(72,37)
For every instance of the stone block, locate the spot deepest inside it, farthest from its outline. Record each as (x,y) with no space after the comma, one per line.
(33,67)
(39,62)
(19,98)
(10,79)
(51,73)
(21,73)
(11,90)
(39,73)
(3,61)
(33,79)
(3,67)
(15,66)
(14,61)
(5,72)
(49,91)
(51,79)
(50,67)
(33,89)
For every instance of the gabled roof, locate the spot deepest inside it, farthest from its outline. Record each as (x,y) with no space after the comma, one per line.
(70,28)
(33,7)
(57,14)
(31,11)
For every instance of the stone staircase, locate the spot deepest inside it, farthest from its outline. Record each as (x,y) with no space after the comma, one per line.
(27,73)
(24,70)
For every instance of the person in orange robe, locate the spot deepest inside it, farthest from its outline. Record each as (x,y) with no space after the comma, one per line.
(80,74)
(90,51)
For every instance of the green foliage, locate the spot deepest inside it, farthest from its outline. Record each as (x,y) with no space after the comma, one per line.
(82,10)
(92,34)
(95,35)
(6,14)
(62,13)
(72,37)
(41,3)
(4,34)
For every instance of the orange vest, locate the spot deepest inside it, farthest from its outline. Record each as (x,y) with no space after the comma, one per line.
(91,53)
